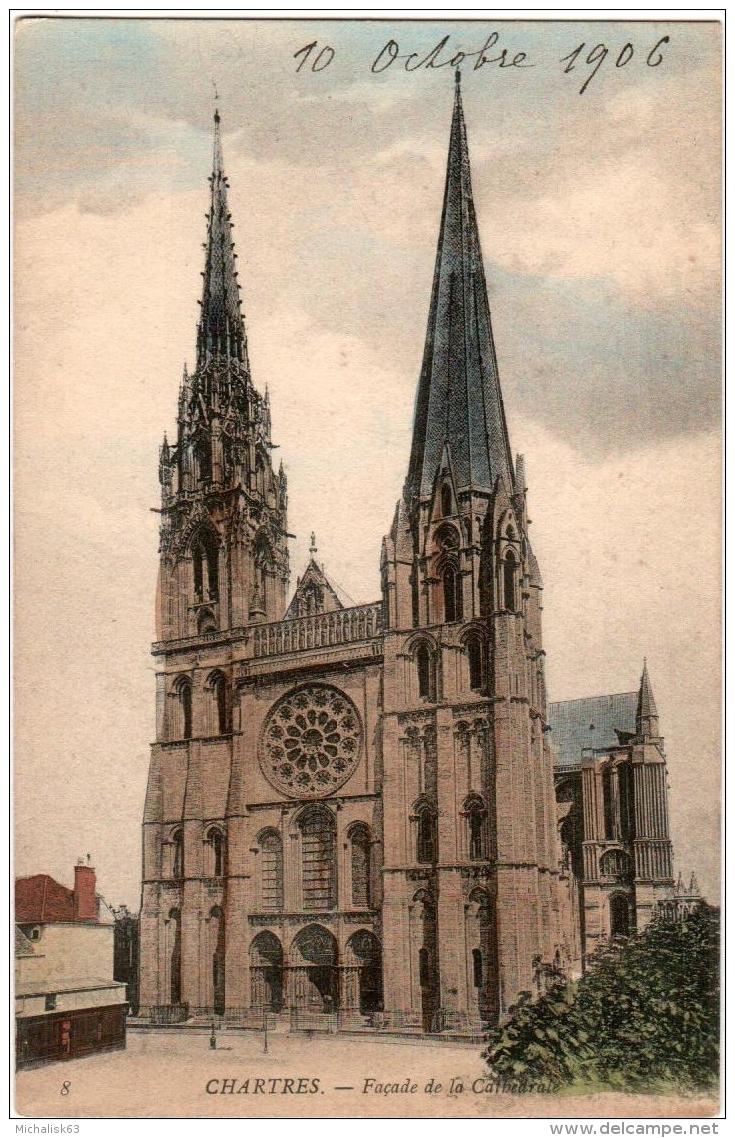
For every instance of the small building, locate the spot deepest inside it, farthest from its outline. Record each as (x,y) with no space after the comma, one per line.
(66,1001)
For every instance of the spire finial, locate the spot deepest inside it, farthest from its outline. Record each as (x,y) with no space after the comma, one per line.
(216,101)
(313,546)
(457,76)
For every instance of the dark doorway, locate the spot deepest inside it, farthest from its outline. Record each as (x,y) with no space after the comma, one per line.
(316,949)
(266,972)
(619,915)
(324,992)
(367,951)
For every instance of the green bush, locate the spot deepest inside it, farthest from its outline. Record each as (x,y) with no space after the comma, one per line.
(645,1016)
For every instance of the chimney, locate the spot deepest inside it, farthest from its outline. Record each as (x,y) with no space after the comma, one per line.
(85,895)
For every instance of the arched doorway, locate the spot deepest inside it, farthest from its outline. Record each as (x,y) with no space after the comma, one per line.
(365,951)
(619,915)
(314,966)
(266,972)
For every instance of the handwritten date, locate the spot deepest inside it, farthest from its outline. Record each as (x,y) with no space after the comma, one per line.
(585,60)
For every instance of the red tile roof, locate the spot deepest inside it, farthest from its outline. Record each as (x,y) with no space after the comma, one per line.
(41,900)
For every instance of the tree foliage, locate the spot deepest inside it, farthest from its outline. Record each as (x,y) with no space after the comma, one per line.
(645,1015)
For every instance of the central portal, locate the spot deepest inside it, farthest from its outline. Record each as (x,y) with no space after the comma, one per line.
(314,971)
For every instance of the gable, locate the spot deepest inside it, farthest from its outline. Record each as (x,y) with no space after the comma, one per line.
(315,593)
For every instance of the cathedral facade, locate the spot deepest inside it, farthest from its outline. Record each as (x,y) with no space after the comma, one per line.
(352,808)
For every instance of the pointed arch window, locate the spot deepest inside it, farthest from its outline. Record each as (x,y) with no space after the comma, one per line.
(509,582)
(205,559)
(177,855)
(610,801)
(183,692)
(426,835)
(204,460)
(198,561)
(360,865)
(476,830)
(271,872)
(263,568)
(425,672)
(475,649)
(216,840)
(220,699)
(213,570)
(446,500)
(451,585)
(318,859)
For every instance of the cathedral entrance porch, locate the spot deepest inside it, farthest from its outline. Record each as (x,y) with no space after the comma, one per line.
(312,977)
(313,988)
(266,972)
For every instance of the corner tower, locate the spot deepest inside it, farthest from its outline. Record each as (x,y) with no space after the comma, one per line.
(472,898)
(223,569)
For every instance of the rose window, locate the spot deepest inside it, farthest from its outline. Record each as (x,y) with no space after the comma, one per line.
(311,741)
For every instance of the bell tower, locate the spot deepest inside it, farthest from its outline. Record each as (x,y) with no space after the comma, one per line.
(471,865)
(224,557)
(223,568)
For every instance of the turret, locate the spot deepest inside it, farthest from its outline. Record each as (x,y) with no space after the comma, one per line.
(646,716)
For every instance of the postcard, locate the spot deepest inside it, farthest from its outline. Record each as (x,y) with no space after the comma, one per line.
(368,600)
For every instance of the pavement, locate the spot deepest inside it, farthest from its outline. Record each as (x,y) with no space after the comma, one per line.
(170,1073)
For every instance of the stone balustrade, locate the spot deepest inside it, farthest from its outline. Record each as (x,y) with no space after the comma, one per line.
(320,630)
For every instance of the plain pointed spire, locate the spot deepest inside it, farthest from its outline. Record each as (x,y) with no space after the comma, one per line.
(221,330)
(646,716)
(459,402)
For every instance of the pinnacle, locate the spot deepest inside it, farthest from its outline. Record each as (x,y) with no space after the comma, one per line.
(646,711)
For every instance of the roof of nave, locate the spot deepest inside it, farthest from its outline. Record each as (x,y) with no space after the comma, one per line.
(589,723)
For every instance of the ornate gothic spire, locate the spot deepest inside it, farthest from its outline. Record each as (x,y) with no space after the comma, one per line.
(459,402)
(221,331)
(646,716)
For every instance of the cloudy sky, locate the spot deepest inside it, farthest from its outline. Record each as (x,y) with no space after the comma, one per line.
(599,218)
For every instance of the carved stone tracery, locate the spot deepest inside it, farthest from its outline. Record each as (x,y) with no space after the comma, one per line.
(311,741)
